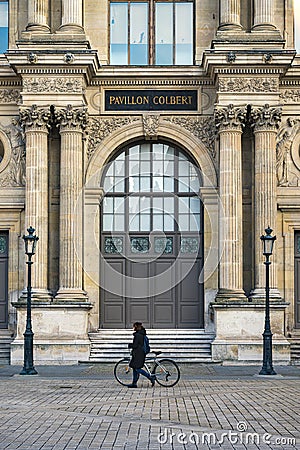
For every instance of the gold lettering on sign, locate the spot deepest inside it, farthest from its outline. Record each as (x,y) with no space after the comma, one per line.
(129,100)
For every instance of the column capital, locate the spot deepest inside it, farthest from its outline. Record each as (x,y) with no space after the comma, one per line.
(265,118)
(230,118)
(34,118)
(71,119)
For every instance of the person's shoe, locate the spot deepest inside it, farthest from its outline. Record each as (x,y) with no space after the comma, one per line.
(152,380)
(132,385)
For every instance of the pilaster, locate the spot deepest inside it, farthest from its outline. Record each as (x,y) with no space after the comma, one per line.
(229,121)
(265,122)
(36,122)
(71,122)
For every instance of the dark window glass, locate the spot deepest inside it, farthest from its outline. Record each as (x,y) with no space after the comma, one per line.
(3,26)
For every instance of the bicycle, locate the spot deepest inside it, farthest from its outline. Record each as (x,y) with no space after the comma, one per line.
(166,370)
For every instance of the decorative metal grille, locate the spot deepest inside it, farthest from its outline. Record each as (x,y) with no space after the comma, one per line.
(163,245)
(113,245)
(298,244)
(139,244)
(3,245)
(189,245)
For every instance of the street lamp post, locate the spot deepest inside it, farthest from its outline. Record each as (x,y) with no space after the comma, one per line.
(267,368)
(30,246)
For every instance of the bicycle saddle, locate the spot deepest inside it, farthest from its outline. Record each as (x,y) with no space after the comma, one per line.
(156,353)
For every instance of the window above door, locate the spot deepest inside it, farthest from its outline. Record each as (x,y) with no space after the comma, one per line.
(151,33)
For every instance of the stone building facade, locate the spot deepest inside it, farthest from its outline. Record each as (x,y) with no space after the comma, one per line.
(149,144)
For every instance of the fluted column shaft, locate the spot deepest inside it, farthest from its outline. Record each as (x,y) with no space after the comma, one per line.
(36,121)
(71,123)
(38,16)
(71,16)
(264,15)
(230,15)
(265,121)
(229,121)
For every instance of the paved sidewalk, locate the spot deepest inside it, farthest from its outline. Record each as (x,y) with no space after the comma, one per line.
(213,407)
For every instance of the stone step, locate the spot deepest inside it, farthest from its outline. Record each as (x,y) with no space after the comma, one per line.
(5,341)
(184,345)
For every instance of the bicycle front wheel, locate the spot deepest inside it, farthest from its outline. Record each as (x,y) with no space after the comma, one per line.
(167,372)
(122,372)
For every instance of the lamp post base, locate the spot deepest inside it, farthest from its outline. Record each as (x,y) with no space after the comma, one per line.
(30,371)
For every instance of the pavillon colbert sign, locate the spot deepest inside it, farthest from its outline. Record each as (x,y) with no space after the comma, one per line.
(151,100)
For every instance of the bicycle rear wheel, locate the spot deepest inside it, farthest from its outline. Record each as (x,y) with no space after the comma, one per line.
(167,372)
(122,372)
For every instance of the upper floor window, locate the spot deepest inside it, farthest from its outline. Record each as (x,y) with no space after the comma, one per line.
(3,25)
(151,32)
(297,25)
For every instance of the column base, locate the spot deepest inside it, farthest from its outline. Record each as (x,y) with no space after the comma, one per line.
(260,294)
(264,27)
(230,27)
(67,295)
(41,295)
(37,28)
(229,295)
(71,28)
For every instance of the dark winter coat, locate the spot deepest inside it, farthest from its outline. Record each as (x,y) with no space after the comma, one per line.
(138,355)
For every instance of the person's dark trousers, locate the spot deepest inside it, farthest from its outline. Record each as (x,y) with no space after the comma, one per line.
(137,373)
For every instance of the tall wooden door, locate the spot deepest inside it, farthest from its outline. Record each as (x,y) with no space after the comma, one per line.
(297,279)
(151,242)
(3,280)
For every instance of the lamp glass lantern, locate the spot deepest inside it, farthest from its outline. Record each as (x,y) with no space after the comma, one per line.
(30,242)
(268,242)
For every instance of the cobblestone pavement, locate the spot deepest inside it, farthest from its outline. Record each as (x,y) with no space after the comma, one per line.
(212,407)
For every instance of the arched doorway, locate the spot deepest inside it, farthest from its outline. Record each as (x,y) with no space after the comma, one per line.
(151,238)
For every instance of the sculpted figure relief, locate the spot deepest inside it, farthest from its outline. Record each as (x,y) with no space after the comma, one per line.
(285,140)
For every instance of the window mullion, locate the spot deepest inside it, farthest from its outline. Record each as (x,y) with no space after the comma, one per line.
(174,33)
(128,35)
(151,26)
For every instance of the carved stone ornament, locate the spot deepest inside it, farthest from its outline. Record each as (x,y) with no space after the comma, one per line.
(150,124)
(46,84)
(248,85)
(99,129)
(290,96)
(35,118)
(266,118)
(230,117)
(14,174)
(9,95)
(70,118)
(201,127)
(284,157)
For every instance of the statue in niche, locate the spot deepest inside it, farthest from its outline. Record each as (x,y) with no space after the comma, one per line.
(283,150)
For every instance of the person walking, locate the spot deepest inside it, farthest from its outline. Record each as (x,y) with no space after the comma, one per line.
(138,355)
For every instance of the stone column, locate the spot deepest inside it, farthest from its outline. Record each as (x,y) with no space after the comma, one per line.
(263,15)
(71,122)
(229,121)
(230,15)
(36,122)
(38,13)
(265,121)
(71,21)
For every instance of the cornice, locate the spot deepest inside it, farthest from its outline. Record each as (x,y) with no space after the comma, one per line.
(144,82)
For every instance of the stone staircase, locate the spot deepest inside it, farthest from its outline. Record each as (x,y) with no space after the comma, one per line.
(183,345)
(5,341)
(295,350)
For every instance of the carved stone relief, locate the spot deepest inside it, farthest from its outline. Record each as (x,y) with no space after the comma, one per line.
(14,173)
(290,96)
(71,118)
(230,117)
(248,85)
(99,129)
(150,124)
(287,154)
(35,118)
(201,127)
(9,95)
(45,84)
(265,117)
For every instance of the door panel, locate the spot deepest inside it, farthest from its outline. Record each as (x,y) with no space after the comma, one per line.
(113,304)
(297,280)
(190,311)
(3,280)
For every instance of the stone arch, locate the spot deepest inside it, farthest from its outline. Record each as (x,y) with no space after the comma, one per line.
(5,151)
(166,130)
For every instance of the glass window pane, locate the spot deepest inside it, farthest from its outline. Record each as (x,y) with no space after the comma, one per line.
(119,168)
(164,34)
(119,205)
(183,222)
(169,205)
(183,184)
(108,184)
(183,205)
(119,185)
(3,26)
(134,184)
(184,168)
(157,167)
(145,168)
(108,205)
(169,168)
(195,222)
(195,205)
(134,152)
(145,204)
(168,223)
(139,34)
(108,222)
(134,205)
(158,222)
(145,222)
(297,25)
(158,184)
(168,184)
(145,151)
(157,204)
(134,224)
(134,168)
(119,222)
(184,33)
(145,184)
(118,33)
